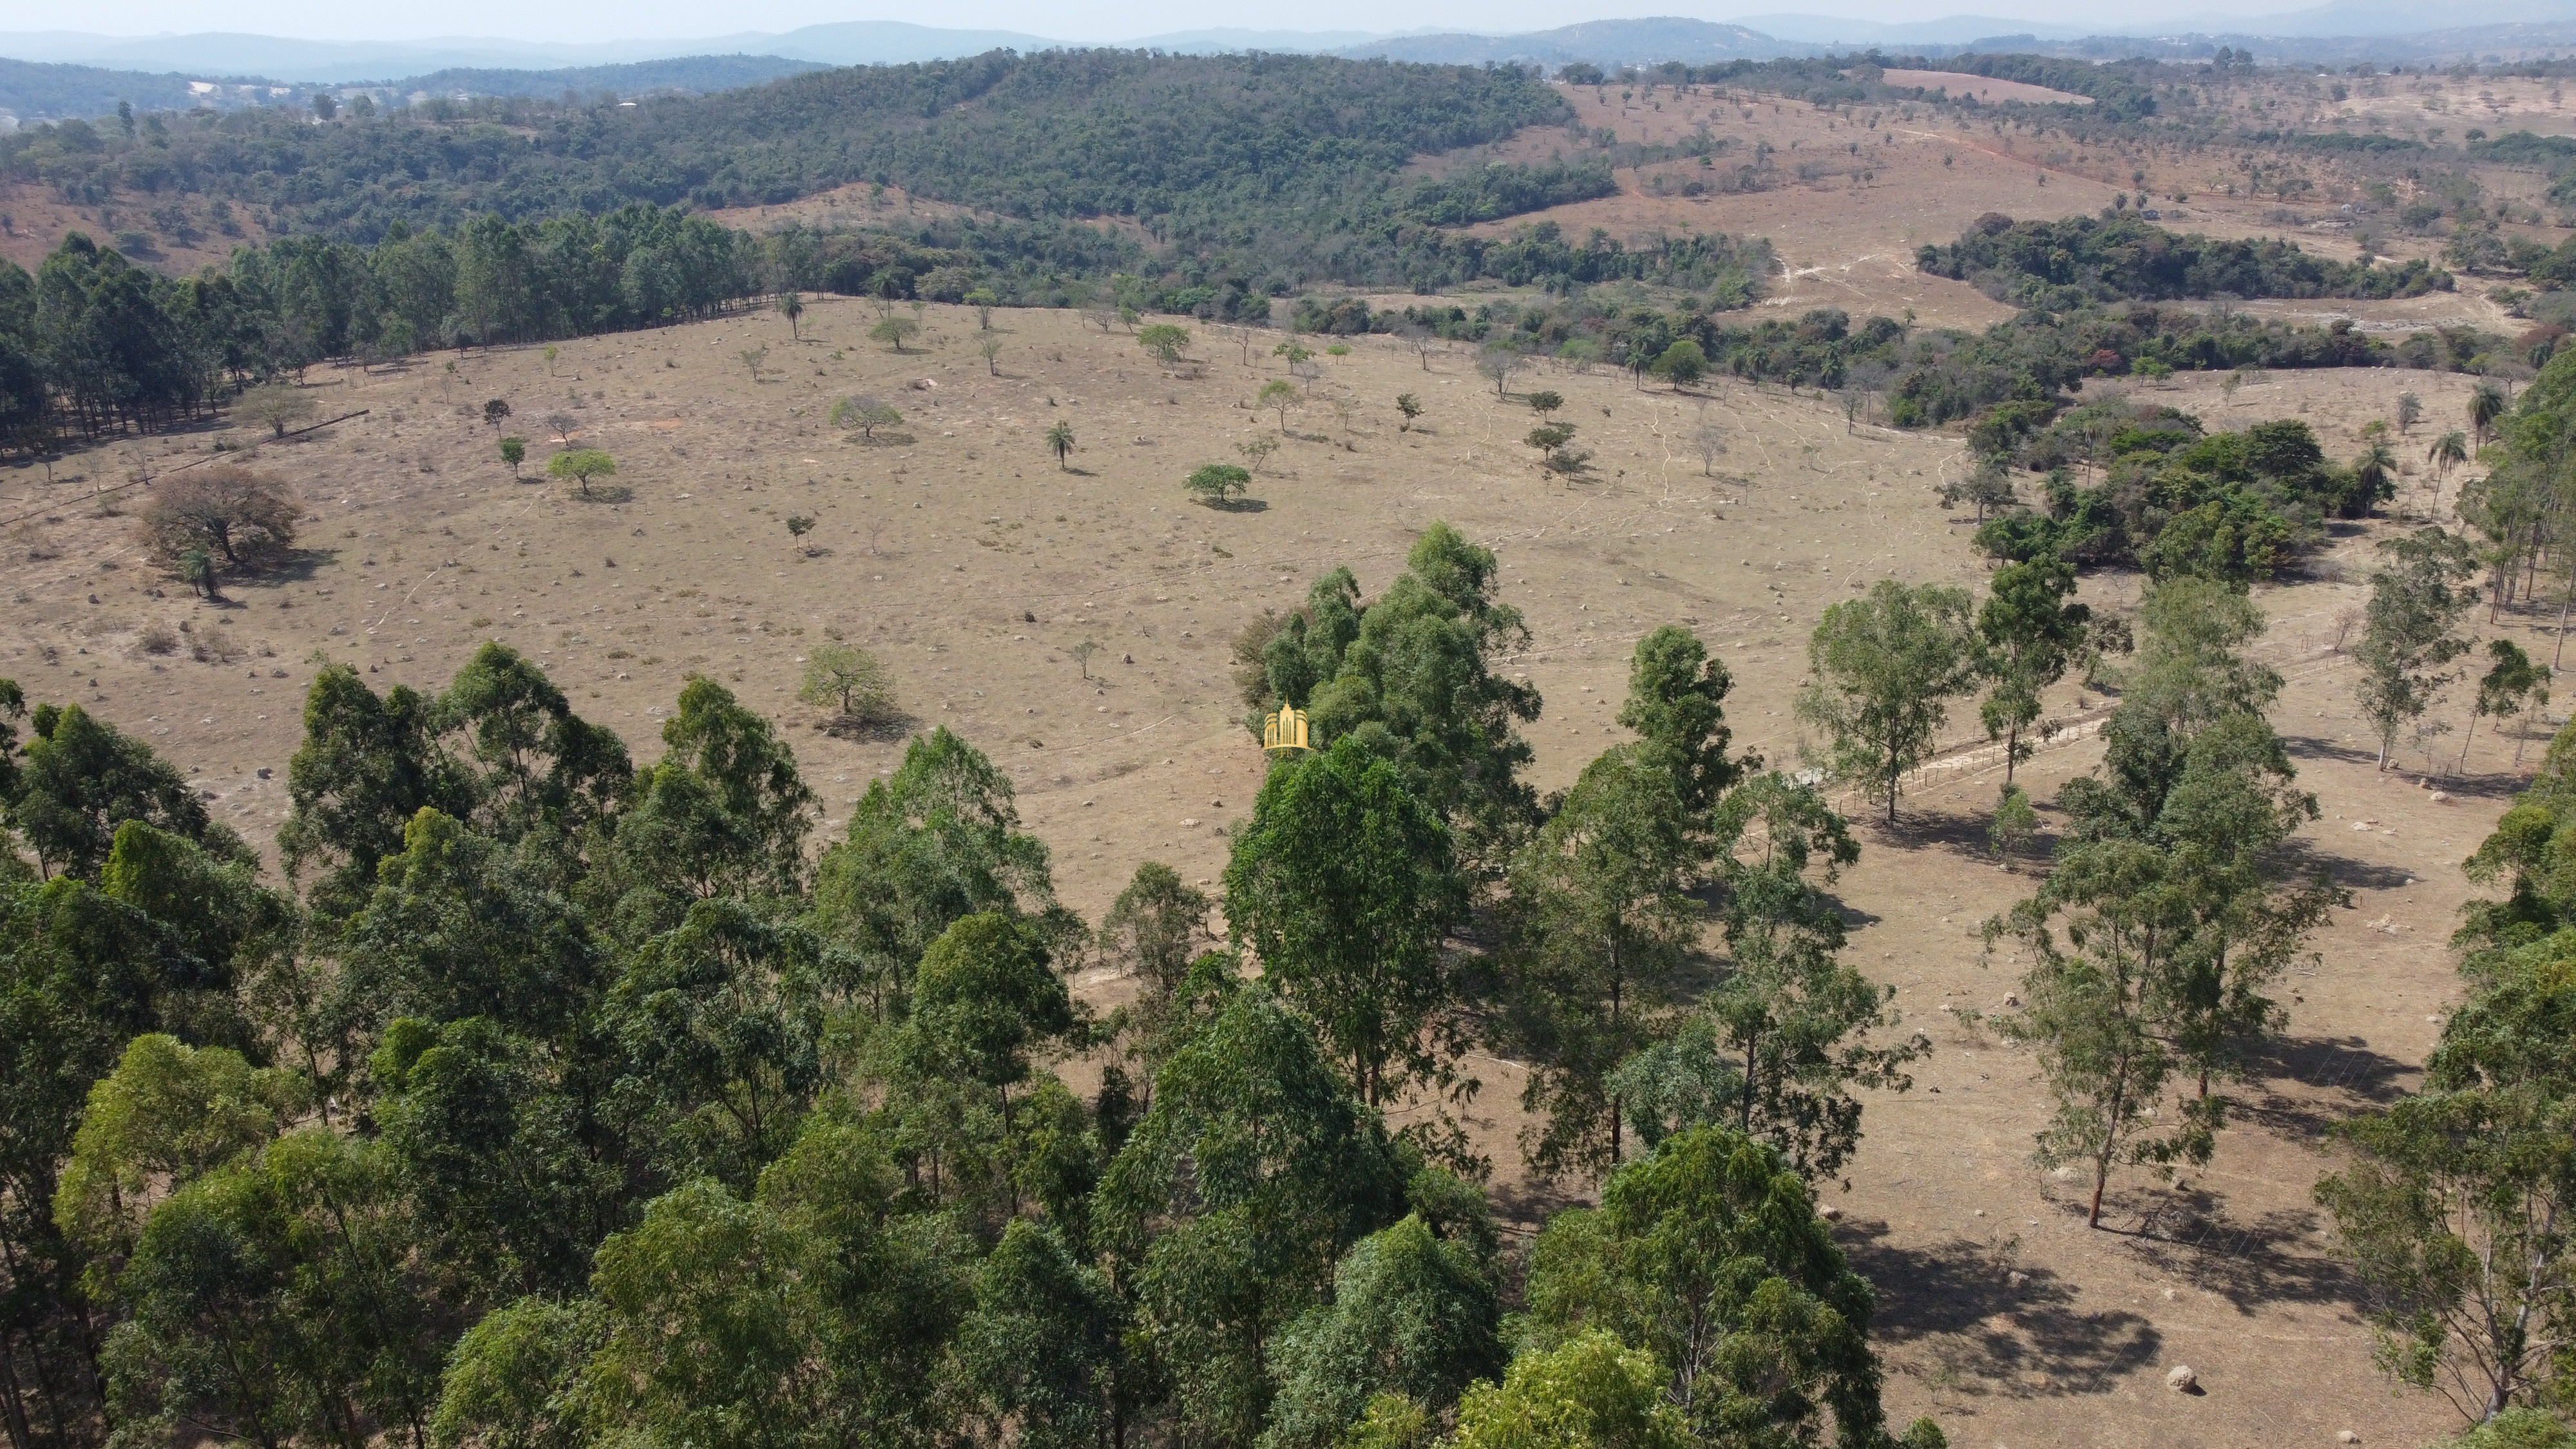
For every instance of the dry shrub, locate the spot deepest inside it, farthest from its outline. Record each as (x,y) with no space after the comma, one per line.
(214,646)
(243,520)
(157,638)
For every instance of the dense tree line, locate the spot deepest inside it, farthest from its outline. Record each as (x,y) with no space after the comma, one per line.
(550,1098)
(92,343)
(1218,155)
(2164,496)
(2120,257)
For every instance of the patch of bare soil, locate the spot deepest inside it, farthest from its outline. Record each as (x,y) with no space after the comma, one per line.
(1987,90)
(182,233)
(974,567)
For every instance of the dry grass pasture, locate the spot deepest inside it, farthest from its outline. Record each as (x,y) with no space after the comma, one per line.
(977,569)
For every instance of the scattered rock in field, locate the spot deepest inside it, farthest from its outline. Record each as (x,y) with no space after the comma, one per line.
(2441,797)
(2347,1437)
(2011,1000)
(1830,1214)
(2181,1379)
(1189,824)
(2017,1280)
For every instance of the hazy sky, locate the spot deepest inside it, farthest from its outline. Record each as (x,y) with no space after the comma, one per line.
(592,20)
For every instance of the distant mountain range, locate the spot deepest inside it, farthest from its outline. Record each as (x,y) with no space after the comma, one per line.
(65,73)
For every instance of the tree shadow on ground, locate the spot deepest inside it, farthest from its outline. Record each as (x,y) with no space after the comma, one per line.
(2342,1074)
(2277,1256)
(885,728)
(1961,833)
(1987,1323)
(2302,857)
(2319,748)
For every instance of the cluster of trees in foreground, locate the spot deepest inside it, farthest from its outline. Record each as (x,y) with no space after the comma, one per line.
(551,1099)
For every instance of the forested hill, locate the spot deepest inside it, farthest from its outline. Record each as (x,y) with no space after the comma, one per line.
(1188,144)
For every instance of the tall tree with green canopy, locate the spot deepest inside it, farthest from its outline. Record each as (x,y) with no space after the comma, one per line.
(498,1159)
(2453,1210)
(214,904)
(538,771)
(1882,670)
(1777,1045)
(513,1379)
(2408,629)
(1601,927)
(1233,1199)
(936,841)
(1039,1358)
(1413,1314)
(2028,635)
(986,995)
(368,764)
(2172,930)
(1589,1392)
(1710,1255)
(1677,705)
(83,777)
(455,929)
(168,1115)
(2191,675)
(1345,887)
(803,1317)
(723,812)
(1413,674)
(719,1027)
(273,1301)
(1154,931)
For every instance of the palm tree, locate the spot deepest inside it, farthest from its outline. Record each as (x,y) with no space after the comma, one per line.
(2449,451)
(2375,471)
(2486,404)
(1060,440)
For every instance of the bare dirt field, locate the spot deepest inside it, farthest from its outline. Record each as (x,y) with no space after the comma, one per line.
(960,553)
(1857,191)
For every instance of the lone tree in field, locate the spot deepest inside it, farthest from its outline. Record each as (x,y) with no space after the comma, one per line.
(865,415)
(1059,441)
(1411,407)
(851,681)
(2515,684)
(1882,670)
(893,331)
(2028,635)
(989,349)
(581,465)
(1543,402)
(792,307)
(514,451)
(2407,629)
(1709,440)
(244,520)
(1500,364)
(278,405)
(1166,341)
(496,412)
(983,300)
(1278,395)
(1217,484)
(754,358)
(1681,364)
(563,426)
